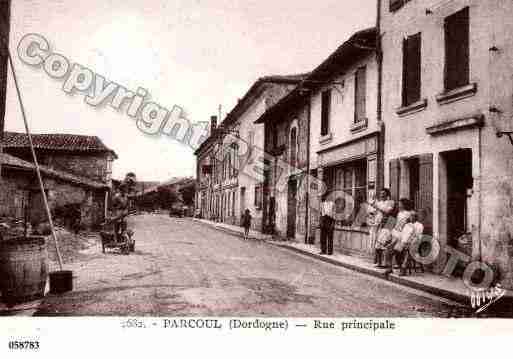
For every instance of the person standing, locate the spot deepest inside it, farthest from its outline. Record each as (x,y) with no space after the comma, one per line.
(246,222)
(327,225)
(384,208)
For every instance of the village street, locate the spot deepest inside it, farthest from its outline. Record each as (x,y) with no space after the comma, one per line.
(184,268)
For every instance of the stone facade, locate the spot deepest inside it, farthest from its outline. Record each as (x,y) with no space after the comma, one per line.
(443,150)
(80,178)
(286,199)
(95,166)
(233,185)
(21,190)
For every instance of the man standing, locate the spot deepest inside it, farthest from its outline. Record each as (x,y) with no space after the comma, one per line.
(327,224)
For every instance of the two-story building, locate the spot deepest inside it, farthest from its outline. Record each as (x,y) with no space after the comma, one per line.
(328,127)
(447,97)
(228,183)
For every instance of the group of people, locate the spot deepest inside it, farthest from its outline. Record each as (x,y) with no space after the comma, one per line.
(391,233)
(392,229)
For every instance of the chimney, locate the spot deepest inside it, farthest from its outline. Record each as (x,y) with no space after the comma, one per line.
(213,124)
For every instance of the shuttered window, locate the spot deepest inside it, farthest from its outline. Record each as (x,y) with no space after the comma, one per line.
(425,206)
(397,4)
(422,195)
(258,196)
(325,112)
(457,50)
(360,94)
(395,173)
(411,69)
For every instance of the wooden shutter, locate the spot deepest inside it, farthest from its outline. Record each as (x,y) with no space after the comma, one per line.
(425,209)
(360,91)
(395,172)
(457,49)
(411,69)
(325,112)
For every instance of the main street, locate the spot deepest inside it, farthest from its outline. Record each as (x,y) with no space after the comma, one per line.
(185,268)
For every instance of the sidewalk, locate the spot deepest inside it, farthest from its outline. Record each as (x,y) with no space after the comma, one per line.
(235,230)
(450,288)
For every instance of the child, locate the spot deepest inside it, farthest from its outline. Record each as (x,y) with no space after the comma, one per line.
(246,222)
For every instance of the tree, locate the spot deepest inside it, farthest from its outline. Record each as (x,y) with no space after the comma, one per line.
(130,182)
(188,193)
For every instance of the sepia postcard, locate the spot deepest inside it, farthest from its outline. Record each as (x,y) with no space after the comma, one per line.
(258,168)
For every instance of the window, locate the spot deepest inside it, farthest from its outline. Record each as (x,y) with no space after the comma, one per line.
(457,50)
(325,112)
(359,94)
(258,196)
(411,69)
(397,4)
(352,179)
(293,147)
(233,203)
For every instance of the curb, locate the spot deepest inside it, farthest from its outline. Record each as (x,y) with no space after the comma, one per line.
(383,274)
(457,297)
(378,273)
(228,231)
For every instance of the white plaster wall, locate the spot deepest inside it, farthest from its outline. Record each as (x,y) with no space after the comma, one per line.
(491,23)
(342,108)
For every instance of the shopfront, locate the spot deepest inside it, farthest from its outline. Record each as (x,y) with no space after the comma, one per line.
(350,174)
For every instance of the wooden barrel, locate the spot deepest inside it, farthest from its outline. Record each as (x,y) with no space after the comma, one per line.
(23,269)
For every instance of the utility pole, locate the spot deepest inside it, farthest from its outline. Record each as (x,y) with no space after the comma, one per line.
(5,24)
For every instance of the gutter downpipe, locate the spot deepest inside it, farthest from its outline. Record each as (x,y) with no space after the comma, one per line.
(307,211)
(381,148)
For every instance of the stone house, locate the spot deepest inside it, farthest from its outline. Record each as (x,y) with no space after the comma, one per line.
(328,127)
(346,139)
(447,99)
(205,174)
(286,144)
(234,148)
(76,171)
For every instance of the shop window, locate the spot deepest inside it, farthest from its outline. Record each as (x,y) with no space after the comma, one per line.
(457,50)
(352,179)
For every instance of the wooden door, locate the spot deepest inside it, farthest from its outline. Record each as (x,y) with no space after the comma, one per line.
(291,208)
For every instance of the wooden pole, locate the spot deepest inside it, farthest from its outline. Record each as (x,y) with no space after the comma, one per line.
(36,164)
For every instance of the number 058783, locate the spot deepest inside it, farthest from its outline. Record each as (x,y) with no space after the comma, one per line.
(23,345)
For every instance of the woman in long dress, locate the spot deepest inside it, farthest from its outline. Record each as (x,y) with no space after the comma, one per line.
(379,212)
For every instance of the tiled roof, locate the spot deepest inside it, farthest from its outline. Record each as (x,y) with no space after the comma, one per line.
(233,114)
(284,78)
(15,162)
(57,141)
(359,44)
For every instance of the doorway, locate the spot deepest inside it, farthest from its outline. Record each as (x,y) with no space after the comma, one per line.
(291,208)
(242,201)
(459,192)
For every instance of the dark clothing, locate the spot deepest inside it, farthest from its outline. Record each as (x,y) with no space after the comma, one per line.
(327,227)
(246,221)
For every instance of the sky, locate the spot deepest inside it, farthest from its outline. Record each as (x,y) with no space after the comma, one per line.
(192,53)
